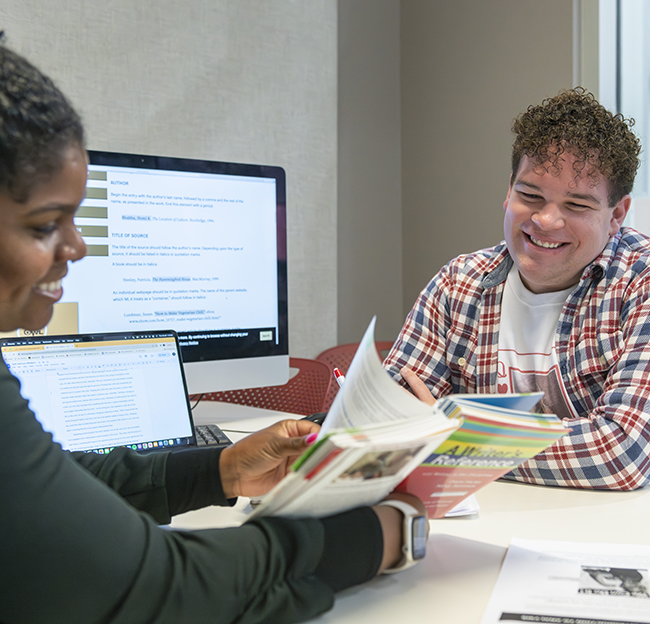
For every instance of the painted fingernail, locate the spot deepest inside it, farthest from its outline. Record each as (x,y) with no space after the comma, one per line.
(311,438)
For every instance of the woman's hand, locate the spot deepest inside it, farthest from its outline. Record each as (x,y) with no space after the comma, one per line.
(392,521)
(252,466)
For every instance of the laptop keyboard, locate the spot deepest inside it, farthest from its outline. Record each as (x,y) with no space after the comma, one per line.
(211,435)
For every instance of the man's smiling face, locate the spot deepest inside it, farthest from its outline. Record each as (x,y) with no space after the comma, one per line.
(557,224)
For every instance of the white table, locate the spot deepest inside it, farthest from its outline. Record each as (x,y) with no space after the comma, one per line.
(453,584)
(236,419)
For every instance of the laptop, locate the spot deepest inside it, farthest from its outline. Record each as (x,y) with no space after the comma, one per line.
(96,392)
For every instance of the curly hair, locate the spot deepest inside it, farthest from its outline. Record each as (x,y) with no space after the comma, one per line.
(574,122)
(37,124)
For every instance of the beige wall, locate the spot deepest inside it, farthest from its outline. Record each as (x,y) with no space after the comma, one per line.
(425,95)
(369,170)
(234,80)
(467,69)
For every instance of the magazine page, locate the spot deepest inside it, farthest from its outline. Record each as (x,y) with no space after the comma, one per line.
(452,405)
(480,451)
(467,507)
(572,583)
(357,467)
(369,394)
(522,401)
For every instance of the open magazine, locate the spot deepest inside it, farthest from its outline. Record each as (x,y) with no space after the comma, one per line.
(497,434)
(378,436)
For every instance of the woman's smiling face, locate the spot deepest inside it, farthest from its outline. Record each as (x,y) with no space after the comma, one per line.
(37,239)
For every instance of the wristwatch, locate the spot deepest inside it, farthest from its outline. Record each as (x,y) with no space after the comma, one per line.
(414,535)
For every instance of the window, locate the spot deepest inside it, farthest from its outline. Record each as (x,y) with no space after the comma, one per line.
(623,76)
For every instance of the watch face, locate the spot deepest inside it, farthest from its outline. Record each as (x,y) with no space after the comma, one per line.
(419,537)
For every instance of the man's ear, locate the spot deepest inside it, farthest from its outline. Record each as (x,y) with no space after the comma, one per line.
(511,181)
(619,212)
(505,203)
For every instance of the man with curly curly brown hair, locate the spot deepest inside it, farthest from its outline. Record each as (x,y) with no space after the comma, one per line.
(563,305)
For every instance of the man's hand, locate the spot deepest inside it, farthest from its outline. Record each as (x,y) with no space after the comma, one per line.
(253,465)
(419,388)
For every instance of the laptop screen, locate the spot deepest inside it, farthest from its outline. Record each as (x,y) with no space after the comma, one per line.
(95,392)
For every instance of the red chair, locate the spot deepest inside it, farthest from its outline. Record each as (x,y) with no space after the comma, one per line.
(303,394)
(341,358)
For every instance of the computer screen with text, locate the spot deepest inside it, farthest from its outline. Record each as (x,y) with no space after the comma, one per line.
(197,246)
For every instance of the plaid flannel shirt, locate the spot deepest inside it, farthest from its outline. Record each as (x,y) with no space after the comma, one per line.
(451,336)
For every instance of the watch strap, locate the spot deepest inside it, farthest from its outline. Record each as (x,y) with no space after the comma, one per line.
(409,512)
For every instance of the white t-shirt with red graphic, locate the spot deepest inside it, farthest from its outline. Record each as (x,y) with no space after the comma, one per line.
(527,358)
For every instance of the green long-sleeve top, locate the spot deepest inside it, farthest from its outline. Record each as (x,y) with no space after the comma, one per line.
(79,540)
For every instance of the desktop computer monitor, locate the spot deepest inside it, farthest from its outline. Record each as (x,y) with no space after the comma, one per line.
(196,246)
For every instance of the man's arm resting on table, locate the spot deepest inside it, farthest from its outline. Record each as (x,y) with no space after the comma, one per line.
(609,448)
